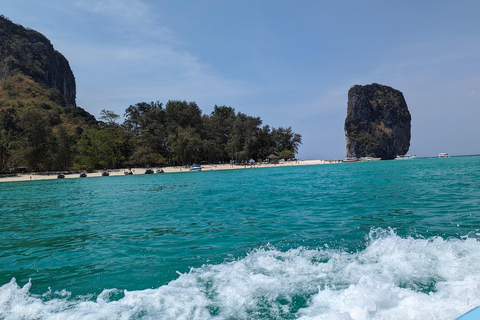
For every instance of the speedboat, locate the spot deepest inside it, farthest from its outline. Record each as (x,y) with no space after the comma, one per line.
(160,170)
(105,173)
(83,174)
(149,171)
(370,159)
(196,167)
(60,176)
(443,155)
(351,160)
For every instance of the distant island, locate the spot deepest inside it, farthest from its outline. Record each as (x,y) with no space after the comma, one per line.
(42,128)
(378,122)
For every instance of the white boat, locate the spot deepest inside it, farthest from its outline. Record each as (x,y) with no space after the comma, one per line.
(196,167)
(405,157)
(443,155)
(369,159)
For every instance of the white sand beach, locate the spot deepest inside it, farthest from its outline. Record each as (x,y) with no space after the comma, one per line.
(176,169)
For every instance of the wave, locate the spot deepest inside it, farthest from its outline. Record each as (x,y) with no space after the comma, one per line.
(392,278)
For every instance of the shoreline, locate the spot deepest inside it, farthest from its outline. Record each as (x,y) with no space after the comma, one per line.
(173,169)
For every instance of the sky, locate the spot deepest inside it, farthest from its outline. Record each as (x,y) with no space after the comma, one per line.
(291,63)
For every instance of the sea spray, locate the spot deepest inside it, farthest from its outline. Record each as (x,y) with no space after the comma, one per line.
(392,278)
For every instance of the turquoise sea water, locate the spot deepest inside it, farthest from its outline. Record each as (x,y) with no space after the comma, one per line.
(375,240)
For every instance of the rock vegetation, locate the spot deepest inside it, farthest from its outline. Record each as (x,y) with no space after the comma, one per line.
(378,122)
(28,52)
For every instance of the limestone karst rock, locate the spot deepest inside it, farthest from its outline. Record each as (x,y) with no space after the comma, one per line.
(28,52)
(378,122)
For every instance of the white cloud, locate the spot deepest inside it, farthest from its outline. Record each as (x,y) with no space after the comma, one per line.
(129,11)
(141,59)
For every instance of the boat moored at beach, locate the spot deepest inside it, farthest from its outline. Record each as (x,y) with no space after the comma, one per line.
(83,174)
(105,173)
(196,167)
(370,159)
(60,176)
(149,171)
(351,160)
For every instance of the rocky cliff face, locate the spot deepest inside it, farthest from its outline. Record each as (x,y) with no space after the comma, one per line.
(377,123)
(28,52)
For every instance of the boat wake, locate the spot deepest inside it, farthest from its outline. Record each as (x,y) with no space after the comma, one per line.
(392,278)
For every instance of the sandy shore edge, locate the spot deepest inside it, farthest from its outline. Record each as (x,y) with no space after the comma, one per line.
(177,169)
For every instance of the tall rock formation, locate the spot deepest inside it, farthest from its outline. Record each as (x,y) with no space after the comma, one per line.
(28,52)
(377,123)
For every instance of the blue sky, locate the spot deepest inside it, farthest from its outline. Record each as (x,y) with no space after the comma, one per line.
(289,62)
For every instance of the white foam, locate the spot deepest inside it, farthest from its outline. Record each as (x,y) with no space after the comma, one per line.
(393,278)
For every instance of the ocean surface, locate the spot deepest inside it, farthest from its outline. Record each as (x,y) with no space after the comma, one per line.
(370,240)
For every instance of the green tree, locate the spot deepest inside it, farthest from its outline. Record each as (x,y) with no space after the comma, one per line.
(183,118)
(36,140)
(144,155)
(104,148)
(180,134)
(264,145)
(286,154)
(139,116)
(109,118)
(146,122)
(4,155)
(217,131)
(185,145)
(8,120)
(63,156)
(241,146)
(182,114)
(286,139)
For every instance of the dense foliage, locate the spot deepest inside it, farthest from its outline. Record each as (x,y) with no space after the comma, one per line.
(40,131)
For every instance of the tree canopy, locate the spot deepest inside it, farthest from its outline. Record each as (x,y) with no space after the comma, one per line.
(41,134)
